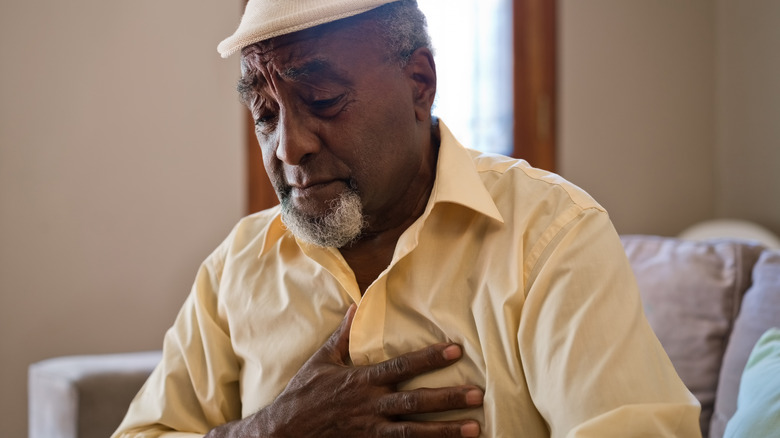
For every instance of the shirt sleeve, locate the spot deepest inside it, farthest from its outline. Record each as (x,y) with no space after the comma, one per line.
(195,386)
(593,364)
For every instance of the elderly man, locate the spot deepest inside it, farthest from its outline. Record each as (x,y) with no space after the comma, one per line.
(482,297)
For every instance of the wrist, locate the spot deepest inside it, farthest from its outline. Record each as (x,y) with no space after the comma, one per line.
(254,426)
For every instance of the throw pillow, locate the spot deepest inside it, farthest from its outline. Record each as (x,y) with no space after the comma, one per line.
(691,292)
(760,311)
(758,404)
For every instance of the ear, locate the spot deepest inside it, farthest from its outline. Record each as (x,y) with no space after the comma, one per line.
(421,70)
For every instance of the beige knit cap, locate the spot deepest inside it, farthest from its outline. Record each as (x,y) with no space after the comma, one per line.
(265,19)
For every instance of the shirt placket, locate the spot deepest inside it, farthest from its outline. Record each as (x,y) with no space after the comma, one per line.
(366,338)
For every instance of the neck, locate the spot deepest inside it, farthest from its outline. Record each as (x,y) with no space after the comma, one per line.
(373,251)
(369,256)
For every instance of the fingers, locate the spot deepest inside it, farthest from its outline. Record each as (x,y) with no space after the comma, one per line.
(409,365)
(356,399)
(425,400)
(336,348)
(431,429)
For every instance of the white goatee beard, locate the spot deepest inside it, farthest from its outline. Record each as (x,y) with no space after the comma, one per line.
(342,223)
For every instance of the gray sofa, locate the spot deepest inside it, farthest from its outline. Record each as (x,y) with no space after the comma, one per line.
(708,302)
(84,396)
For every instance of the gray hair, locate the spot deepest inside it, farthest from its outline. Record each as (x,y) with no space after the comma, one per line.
(403,27)
(401,24)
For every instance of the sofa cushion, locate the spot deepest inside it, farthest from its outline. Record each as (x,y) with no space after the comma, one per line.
(760,311)
(758,405)
(691,292)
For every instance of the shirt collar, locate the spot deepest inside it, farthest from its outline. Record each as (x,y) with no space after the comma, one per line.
(457,181)
(274,231)
(457,178)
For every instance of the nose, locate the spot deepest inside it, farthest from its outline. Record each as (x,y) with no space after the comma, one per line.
(297,141)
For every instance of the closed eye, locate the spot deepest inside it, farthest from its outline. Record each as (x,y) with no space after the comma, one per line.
(264,120)
(265,123)
(325,103)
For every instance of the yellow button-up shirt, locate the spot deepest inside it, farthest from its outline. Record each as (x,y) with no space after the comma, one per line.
(520,267)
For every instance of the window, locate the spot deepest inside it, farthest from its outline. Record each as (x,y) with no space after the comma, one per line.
(472,42)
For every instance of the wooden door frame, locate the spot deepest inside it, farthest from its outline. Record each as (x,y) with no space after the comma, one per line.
(535,79)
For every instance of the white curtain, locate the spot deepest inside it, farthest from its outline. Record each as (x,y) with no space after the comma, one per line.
(472,42)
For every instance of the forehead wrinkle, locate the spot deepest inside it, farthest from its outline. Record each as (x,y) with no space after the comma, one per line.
(315,70)
(296,61)
(305,71)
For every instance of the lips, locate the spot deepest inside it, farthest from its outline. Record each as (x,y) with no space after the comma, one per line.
(305,185)
(320,190)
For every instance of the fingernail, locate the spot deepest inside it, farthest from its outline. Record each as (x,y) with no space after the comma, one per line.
(474,397)
(451,352)
(469,430)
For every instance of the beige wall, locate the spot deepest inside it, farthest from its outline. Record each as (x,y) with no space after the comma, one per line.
(636,109)
(120,170)
(669,110)
(748,118)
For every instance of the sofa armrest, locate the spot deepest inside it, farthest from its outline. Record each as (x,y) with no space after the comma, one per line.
(85,396)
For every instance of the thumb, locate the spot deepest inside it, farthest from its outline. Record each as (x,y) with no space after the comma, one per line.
(337,346)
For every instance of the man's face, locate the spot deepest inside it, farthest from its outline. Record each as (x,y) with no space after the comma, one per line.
(334,115)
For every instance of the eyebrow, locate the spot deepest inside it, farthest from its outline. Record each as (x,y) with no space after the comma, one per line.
(315,69)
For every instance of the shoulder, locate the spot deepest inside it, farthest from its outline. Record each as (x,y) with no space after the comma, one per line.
(250,234)
(255,224)
(541,209)
(527,185)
